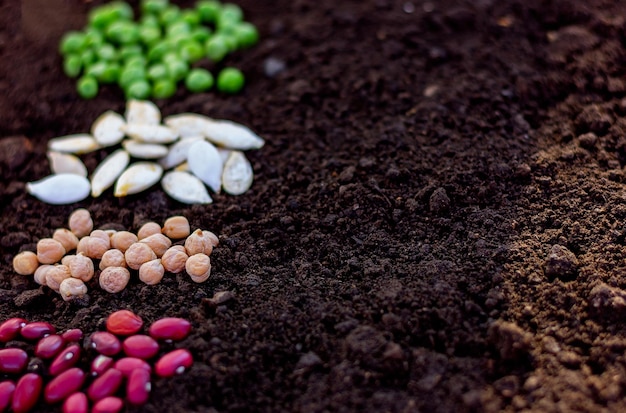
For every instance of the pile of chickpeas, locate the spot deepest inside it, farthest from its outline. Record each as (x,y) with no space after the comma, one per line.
(149,252)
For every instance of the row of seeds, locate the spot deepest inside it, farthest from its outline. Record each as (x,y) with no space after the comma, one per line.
(149,252)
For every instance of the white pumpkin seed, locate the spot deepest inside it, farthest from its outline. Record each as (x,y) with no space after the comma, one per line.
(178,152)
(185,188)
(66,163)
(108,171)
(107,129)
(237,176)
(206,164)
(60,189)
(188,124)
(150,133)
(231,135)
(144,150)
(77,144)
(224,154)
(138,177)
(183,167)
(142,112)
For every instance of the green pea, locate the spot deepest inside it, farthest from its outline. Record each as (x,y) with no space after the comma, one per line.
(149,35)
(177,69)
(157,71)
(201,34)
(227,26)
(158,50)
(246,34)
(169,15)
(192,51)
(177,28)
(208,10)
(176,42)
(72,65)
(101,17)
(231,42)
(164,89)
(122,10)
(106,52)
(232,12)
(87,87)
(230,80)
(72,42)
(139,89)
(130,50)
(170,56)
(199,80)
(137,61)
(149,20)
(131,74)
(96,70)
(123,32)
(216,48)
(88,57)
(191,17)
(154,6)
(93,37)
(111,73)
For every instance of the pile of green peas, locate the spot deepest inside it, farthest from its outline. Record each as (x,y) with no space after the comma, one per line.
(149,57)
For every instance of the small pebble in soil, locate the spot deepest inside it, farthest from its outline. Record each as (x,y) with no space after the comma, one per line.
(561,263)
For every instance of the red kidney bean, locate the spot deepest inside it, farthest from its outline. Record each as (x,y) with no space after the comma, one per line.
(37,330)
(26,394)
(127,364)
(7,388)
(49,346)
(105,343)
(76,403)
(66,359)
(66,383)
(124,323)
(13,360)
(170,328)
(101,364)
(174,362)
(108,405)
(105,385)
(73,335)
(11,328)
(140,346)
(138,387)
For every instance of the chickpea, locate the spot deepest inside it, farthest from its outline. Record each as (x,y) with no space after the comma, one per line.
(215,241)
(67,259)
(25,263)
(40,274)
(176,227)
(80,222)
(198,267)
(158,242)
(147,229)
(56,275)
(137,254)
(103,235)
(121,240)
(72,289)
(151,272)
(49,251)
(67,238)
(174,259)
(92,247)
(198,243)
(81,267)
(114,279)
(113,258)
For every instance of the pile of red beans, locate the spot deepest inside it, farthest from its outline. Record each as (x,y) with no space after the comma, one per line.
(119,362)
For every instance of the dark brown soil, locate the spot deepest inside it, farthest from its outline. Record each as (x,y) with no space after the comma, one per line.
(436,222)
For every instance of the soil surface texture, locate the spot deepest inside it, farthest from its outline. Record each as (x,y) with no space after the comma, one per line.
(436,222)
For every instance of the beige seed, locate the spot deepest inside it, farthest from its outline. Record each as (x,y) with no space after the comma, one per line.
(40,274)
(174,259)
(121,240)
(176,227)
(158,242)
(113,258)
(67,259)
(92,247)
(67,238)
(215,241)
(198,267)
(199,243)
(151,272)
(80,222)
(72,289)
(49,251)
(137,254)
(56,275)
(103,235)
(25,263)
(81,267)
(147,229)
(114,279)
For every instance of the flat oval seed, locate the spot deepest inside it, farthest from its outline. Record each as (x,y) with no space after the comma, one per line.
(7,388)
(138,177)
(65,360)
(105,385)
(107,129)
(170,328)
(77,144)
(177,153)
(37,330)
(123,323)
(188,124)
(11,328)
(237,176)
(65,163)
(63,385)
(105,343)
(73,335)
(60,189)
(48,347)
(142,150)
(100,364)
(27,392)
(186,188)
(140,346)
(151,133)
(173,363)
(142,112)
(13,360)
(231,135)
(76,403)
(206,163)
(108,171)
(138,387)
(127,364)
(108,405)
